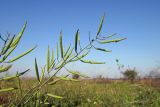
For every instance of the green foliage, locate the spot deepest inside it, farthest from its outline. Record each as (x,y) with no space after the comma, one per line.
(20,56)
(9,44)
(75,76)
(130,74)
(7,89)
(76,40)
(54,96)
(92,62)
(61,44)
(54,64)
(3,69)
(110,41)
(88,93)
(36,69)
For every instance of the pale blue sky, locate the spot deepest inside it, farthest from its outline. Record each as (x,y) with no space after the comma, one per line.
(138,20)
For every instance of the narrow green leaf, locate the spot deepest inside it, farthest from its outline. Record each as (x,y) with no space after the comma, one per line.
(54,96)
(20,56)
(63,61)
(76,40)
(36,69)
(7,89)
(61,44)
(3,69)
(100,26)
(110,41)
(91,62)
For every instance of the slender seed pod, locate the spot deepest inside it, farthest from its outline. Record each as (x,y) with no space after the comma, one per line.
(54,82)
(36,69)
(19,85)
(54,96)
(100,26)
(61,44)
(76,73)
(81,56)
(67,50)
(111,35)
(110,41)
(76,40)
(68,79)
(48,58)
(3,69)
(61,63)
(57,50)
(12,77)
(22,73)
(20,56)
(52,59)
(8,78)
(42,76)
(8,53)
(71,57)
(17,39)
(8,46)
(7,89)
(68,55)
(104,50)
(92,62)
(14,43)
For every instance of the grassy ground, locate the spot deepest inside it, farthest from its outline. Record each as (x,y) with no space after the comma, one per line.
(94,94)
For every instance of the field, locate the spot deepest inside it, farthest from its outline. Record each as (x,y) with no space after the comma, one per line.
(91,93)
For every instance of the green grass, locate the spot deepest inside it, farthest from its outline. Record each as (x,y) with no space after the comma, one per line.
(92,94)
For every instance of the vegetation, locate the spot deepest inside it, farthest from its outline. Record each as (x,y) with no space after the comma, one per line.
(75,76)
(128,73)
(89,93)
(50,90)
(54,64)
(9,44)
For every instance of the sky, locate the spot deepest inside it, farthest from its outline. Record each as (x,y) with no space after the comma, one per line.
(137,20)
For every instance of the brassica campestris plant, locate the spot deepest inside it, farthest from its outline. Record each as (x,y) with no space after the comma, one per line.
(58,58)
